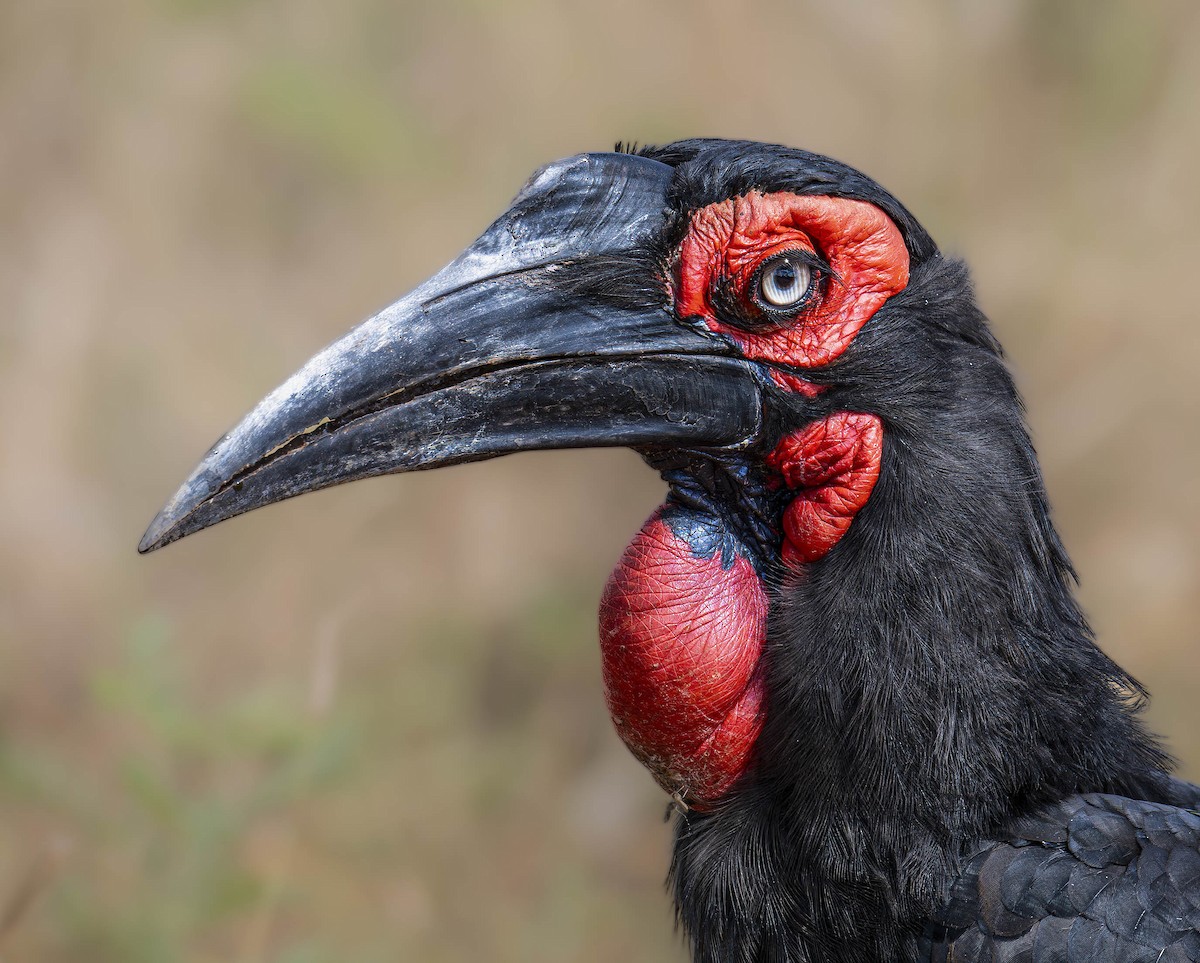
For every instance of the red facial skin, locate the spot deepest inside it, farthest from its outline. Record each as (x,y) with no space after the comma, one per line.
(683,635)
(862,246)
(785,379)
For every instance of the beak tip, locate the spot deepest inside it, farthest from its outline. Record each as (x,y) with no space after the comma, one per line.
(184,513)
(157,535)
(170,524)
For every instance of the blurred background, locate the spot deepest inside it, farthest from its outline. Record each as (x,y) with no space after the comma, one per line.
(368,725)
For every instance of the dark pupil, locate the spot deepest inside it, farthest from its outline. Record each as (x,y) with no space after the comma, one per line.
(785,276)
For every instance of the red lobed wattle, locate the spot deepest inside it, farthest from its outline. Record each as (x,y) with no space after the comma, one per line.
(681,640)
(833,465)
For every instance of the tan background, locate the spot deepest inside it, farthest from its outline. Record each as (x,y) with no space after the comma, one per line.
(368,725)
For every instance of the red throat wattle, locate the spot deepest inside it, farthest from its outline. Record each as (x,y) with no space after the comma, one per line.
(683,627)
(681,638)
(832,465)
(683,619)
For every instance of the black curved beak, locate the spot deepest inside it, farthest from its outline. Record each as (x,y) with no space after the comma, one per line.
(497,353)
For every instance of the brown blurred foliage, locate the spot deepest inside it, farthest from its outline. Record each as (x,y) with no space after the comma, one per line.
(368,725)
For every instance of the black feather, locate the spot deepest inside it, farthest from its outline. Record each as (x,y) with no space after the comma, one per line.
(1095,878)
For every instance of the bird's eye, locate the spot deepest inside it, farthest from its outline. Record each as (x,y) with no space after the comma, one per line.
(783,281)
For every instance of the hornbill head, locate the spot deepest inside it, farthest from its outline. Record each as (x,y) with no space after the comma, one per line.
(847,642)
(740,314)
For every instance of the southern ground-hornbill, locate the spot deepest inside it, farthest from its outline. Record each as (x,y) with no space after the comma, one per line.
(847,643)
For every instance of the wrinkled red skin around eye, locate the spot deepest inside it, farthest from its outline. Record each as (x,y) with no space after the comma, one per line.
(729,240)
(833,465)
(681,642)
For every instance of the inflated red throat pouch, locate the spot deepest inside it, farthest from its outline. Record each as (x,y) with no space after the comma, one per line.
(682,629)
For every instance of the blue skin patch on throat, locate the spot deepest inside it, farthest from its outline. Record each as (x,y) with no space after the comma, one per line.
(722,508)
(705,534)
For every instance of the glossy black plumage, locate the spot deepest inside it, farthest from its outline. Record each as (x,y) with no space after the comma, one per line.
(1092,879)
